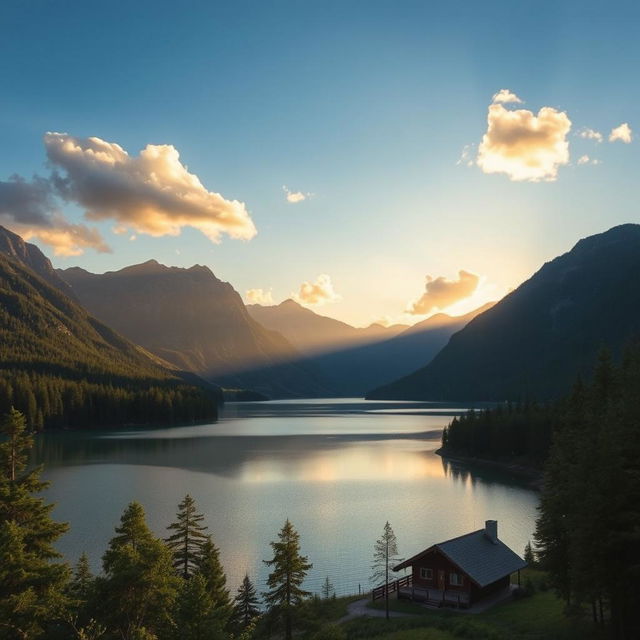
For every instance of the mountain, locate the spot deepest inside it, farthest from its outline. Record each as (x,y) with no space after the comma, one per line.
(358,369)
(13,246)
(63,368)
(311,333)
(355,360)
(197,322)
(535,341)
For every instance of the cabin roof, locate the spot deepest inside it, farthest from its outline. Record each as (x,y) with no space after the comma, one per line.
(482,559)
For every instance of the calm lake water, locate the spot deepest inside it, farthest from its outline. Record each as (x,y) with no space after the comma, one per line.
(337,468)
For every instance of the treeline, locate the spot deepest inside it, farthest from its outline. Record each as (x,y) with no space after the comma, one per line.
(588,532)
(513,430)
(63,368)
(50,401)
(149,588)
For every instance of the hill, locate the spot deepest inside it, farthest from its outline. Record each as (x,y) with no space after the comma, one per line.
(197,322)
(63,368)
(536,340)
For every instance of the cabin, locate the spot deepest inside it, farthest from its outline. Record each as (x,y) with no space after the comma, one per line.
(462,571)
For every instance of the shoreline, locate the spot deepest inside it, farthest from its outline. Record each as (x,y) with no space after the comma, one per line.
(532,475)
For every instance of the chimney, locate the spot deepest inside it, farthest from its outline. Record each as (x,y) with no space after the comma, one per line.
(491,530)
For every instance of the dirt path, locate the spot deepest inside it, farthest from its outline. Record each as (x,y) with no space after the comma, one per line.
(360,608)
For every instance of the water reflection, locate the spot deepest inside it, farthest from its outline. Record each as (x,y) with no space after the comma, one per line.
(337,470)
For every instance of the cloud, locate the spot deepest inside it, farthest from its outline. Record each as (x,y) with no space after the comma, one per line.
(259,296)
(320,292)
(505,97)
(590,134)
(524,146)
(295,196)
(151,193)
(622,133)
(440,292)
(466,157)
(29,209)
(585,159)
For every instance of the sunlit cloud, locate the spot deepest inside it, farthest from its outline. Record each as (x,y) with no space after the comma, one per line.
(590,134)
(295,196)
(523,145)
(441,292)
(506,97)
(29,209)
(622,133)
(317,293)
(259,296)
(585,159)
(152,193)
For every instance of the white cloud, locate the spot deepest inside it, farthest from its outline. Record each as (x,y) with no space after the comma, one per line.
(152,193)
(622,133)
(295,196)
(317,293)
(259,296)
(466,157)
(505,97)
(590,134)
(523,145)
(583,159)
(441,292)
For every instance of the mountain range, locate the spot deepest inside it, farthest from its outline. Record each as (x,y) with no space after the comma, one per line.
(536,340)
(354,360)
(62,367)
(197,322)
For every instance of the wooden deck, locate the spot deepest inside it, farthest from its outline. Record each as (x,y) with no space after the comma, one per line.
(435,597)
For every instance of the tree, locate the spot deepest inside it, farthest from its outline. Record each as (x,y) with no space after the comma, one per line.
(385,553)
(327,589)
(186,543)
(82,580)
(289,571)
(209,567)
(245,605)
(139,587)
(529,556)
(32,584)
(196,617)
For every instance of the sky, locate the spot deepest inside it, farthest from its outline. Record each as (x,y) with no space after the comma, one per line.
(377,161)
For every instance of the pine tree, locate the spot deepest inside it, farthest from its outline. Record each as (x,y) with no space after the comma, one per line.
(139,587)
(327,589)
(82,579)
(209,567)
(246,606)
(32,584)
(289,571)
(196,617)
(187,541)
(529,556)
(385,553)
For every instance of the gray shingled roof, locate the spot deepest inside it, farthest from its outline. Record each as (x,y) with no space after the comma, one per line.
(481,559)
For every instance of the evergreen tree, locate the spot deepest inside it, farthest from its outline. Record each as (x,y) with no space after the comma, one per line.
(245,605)
(32,584)
(187,541)
(529,556)
(209,567)
(196,617)
(82,580)
(139,587)
(385,553)
(289,571)
(327,589)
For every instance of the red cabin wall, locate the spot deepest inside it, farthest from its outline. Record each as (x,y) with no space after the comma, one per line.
(437,562)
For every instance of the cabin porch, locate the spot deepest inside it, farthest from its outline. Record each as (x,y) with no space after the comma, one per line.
(405,589)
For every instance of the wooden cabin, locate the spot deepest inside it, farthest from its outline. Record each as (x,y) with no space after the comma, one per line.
(460,571)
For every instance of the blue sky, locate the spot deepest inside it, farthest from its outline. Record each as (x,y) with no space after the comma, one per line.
(366,105)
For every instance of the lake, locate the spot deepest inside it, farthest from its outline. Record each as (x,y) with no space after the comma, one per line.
(337,468)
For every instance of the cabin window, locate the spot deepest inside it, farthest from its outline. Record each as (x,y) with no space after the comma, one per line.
(426,574)
(455,579)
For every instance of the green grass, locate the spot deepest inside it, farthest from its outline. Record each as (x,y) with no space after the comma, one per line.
(539,616)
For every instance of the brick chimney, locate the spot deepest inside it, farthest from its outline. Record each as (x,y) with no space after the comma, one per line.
(491,530)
